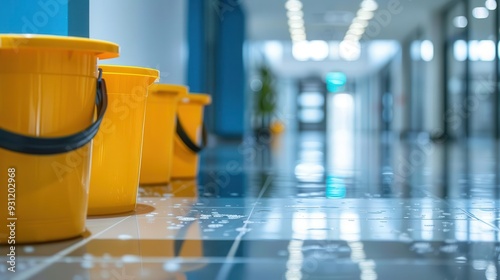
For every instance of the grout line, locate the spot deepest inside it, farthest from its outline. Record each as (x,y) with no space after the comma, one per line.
(51,260)
(228,263)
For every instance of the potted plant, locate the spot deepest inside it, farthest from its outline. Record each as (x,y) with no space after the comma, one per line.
(265,102)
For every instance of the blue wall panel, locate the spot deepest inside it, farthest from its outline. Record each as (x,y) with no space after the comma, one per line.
(229,97)
(54,17)
(197,59)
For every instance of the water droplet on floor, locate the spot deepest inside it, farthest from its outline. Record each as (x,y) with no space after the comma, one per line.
(451,248)
(131,259)
(175,227)
(215,226)
(243,229)
(124,237)
(422,247)
(87,264)
(29,249)
(234,217)
(479,264)
(185,219)
(171,266)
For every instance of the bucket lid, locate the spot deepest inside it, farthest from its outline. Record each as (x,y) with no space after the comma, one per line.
(168,89)
(130,70)
(203,99)
(102,49)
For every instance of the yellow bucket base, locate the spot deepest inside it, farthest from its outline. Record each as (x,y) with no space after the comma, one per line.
(116,155)
(159,133)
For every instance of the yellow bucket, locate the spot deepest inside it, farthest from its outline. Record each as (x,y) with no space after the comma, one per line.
(116,155)
(48,88)
(159,132)
(187,142)
(176,188)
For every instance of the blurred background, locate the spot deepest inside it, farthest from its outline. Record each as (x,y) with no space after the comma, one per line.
(391,92)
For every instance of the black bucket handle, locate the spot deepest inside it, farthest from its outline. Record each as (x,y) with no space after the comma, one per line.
(190,144)
(49,146)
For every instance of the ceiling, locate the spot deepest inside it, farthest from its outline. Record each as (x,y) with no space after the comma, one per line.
(329,19)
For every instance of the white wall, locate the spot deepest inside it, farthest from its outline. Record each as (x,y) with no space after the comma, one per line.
(151,33)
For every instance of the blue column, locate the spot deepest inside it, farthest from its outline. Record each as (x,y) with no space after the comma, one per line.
(229,99)
(197,67)
(53,17)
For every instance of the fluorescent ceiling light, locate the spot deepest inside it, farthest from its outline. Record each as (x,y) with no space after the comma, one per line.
(355,31)
(295,17)
(298,32)
(427,50)
(366,15)
(480,12)
(360,21)
(460,50)
(296,21)
(296,25)
(300,51)
(460,22)
(318,50)
(491,5)
(352,37)
(295,13)
(369,5)
(298,37)
(357,25)
(293,5)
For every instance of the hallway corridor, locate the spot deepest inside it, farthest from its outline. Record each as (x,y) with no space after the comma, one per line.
(408,209)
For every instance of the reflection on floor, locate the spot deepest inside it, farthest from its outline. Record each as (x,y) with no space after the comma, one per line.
(300,207)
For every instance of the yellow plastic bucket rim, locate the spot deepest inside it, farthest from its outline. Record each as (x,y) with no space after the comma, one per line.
(130,70)
(202,98)
(102,49)
(169,89)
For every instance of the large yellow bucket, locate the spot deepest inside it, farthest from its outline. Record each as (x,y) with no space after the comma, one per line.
(47,106)
(159,132)
(187,142)
(116,156)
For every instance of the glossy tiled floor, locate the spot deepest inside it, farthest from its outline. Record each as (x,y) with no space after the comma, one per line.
(297,208)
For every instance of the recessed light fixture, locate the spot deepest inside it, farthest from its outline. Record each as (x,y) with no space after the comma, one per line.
(490,5)
(480,12)
(350,48)
(460,22)
(369,5)
(293,5)
(295,20)
(366,15)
